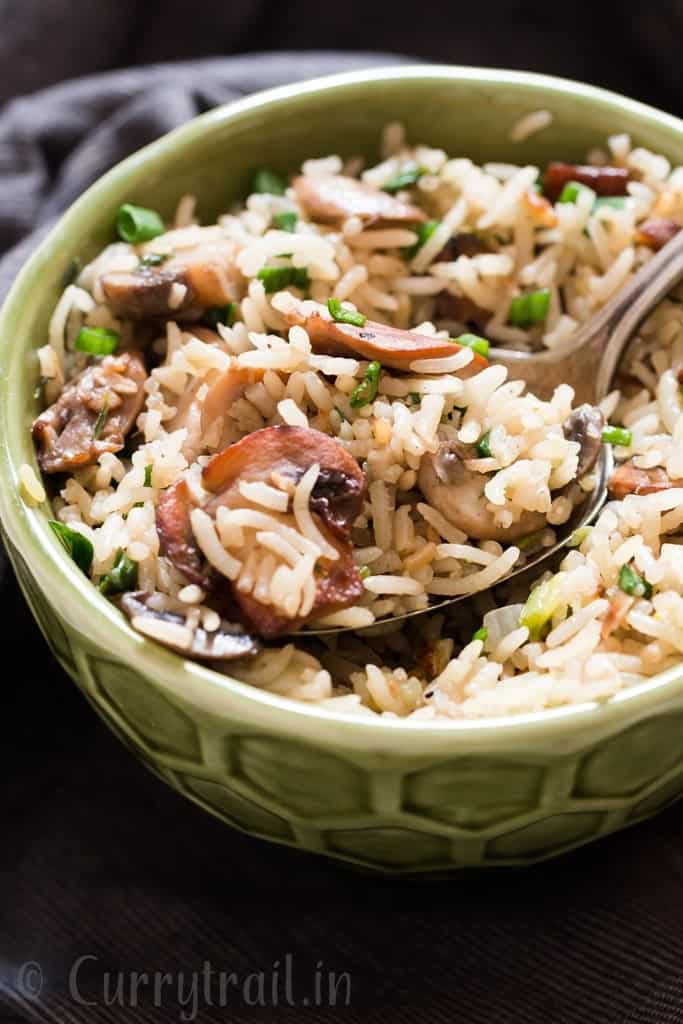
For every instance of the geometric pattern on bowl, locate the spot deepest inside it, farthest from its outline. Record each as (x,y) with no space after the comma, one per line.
(467,791)
(306,780)
(632,760)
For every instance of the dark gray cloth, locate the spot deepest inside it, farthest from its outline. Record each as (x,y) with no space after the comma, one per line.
(99,859)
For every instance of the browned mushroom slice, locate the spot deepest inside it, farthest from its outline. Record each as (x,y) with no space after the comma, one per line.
(460,309)
(629,479)
(338,585)
(92,415)
(198,278)
(585,426)
(605,181)
(288,452)
(176,539)
(656,232)
(228,642)
(219,390)
(331,198)
(465,243)
(458,494)
(389,345)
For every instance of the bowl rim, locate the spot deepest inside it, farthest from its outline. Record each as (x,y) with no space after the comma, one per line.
(190,682)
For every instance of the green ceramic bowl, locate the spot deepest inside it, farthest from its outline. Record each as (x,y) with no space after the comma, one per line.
(388,794)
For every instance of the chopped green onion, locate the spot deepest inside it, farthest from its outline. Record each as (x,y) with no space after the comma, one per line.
(76,544)
(530,541)
(617,435)
(631,583)
(138,224)
(220,315)
(473,341)
(345,316)
(578,537)
(483,448)
(572,190)
(267,181)
(403,179)
(424,232)
(97,341)
(415,398)
(616,202)
(276,278)
(286,221)
(153,259)
(481,634)
(364,572)
(366,391)
(529,309)
(71,273)
(341,413)
(123,575)
(101,419)
(148,475)
(540,607)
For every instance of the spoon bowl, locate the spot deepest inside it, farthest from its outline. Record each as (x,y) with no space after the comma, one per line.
(588,363)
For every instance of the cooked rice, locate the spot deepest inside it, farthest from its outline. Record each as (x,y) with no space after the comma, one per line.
(271,547)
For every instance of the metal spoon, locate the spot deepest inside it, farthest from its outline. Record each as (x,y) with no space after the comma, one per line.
(588,362)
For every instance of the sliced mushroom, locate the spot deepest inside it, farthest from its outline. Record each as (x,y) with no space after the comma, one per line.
(338,585)
(656,232)
(176,539)
(458,494)
(585,426)
(465,243)
(92,415)
(629,479)
(228,642)
(459,309)
(287,452)
(605,181)
(392,347)
(331,198)
(209,398)
(337,496)
(196,278)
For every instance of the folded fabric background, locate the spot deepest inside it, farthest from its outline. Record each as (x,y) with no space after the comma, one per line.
(99,859)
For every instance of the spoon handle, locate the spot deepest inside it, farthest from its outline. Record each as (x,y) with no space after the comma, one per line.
(589,360)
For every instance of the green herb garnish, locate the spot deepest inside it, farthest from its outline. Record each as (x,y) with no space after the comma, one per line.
(276,278)
(483,446)
(481,634)
(424,232)
(101,419)
(617,435)
(616,202)
(148,475)
(529,309)
(473,341)
(572,190)
(286,221)
(138,224)
(216,315)
(267,181)
(540,607)
(123,575)
(364,572)
(633,584)
(366,391)
(403,179)
(345,316)
(97,341)
(153,259)
(76,544)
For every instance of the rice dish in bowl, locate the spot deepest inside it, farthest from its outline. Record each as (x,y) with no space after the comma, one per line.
(287,420)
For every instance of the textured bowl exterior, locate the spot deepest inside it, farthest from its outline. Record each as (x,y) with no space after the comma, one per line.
(382,794)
